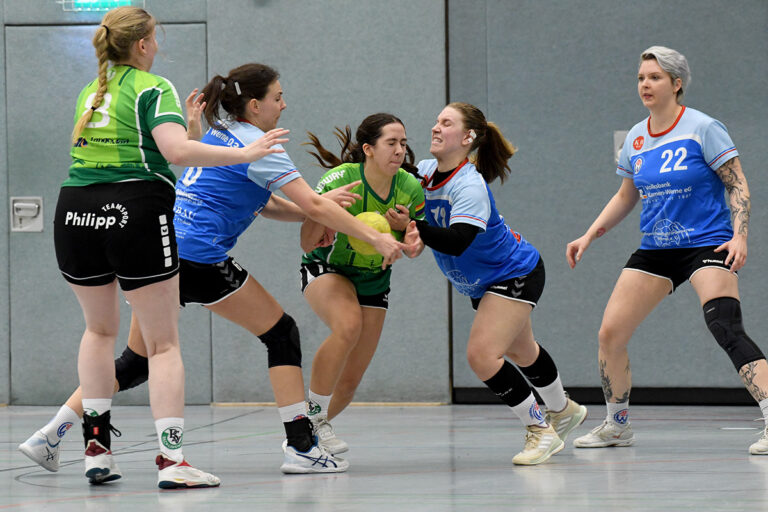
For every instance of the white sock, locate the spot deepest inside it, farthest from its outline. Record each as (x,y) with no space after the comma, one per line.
(293,412)
(529,413)
(61,423)
(618,414)
(553,395)
(764,407)
(96,406)
(318,404)
(170,434)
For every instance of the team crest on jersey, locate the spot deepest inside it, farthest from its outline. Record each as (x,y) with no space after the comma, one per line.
(638,164)
(638,142)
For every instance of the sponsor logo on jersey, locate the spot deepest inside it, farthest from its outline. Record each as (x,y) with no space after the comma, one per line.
(638,164)
(638,142)
(109,140)
(63,429)
(336,175)
(515,235)
(643,195)
(621,417)
(81,142)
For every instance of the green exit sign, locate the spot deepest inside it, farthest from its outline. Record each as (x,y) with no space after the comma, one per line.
(97,5)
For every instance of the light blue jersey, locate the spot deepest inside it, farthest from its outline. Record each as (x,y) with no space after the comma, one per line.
(497,253)
(214,205)
(683,198)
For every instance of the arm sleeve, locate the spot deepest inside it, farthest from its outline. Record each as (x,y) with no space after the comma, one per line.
(452,240)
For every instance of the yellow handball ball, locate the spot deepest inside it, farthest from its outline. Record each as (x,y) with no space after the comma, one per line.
(377,222)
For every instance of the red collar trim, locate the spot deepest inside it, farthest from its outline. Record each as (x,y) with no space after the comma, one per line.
(244,120)
(668,129)
(446,180)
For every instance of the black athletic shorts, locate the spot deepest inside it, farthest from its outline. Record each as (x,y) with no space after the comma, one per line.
(116,230)
(362,282)
(676,265)
(209,283)
(527,288)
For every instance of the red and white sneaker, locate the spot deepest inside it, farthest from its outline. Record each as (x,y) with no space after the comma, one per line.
(180,475)
(100,466)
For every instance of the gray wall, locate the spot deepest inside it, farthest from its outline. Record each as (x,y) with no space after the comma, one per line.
(558,77)
(5,348)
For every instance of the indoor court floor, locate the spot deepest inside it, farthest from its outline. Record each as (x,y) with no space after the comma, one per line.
(422,458)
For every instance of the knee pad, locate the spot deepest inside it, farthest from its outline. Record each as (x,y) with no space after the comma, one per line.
(723,317)
(131,369)
(283,343)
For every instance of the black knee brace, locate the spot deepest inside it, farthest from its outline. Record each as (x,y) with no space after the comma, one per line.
(283,343)
(723,317)
(131,369)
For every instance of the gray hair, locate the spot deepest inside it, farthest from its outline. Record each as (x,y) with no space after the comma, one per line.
(673,62)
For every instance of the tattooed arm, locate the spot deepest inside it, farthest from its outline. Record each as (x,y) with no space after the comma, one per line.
(732,176)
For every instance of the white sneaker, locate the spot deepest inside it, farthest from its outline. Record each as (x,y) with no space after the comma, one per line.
(606,434)
(315,460)
(41,451)
(568,419)
(327,437)
(760,447)
(540,444)
(100,466)
(180,475)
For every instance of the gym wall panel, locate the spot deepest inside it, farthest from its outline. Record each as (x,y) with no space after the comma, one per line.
(339,61)
(5,349)
(561,77)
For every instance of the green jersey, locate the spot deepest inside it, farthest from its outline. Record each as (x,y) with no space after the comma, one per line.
(405,190)
(117,144)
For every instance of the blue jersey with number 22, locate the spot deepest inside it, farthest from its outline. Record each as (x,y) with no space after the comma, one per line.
(683,198)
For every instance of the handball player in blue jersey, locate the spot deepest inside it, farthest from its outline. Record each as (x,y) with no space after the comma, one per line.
(498,269)
(680,164)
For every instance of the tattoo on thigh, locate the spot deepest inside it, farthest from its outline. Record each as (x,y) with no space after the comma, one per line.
(748,375)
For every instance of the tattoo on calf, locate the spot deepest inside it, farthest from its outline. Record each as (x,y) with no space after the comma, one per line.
(748,375)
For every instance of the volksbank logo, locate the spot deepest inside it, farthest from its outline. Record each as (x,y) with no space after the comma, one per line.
(96,221)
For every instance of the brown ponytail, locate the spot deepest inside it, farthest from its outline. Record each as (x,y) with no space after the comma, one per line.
(492,149)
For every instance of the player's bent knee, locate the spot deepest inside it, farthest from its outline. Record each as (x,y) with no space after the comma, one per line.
(723,317)
(131,369)
(283,343)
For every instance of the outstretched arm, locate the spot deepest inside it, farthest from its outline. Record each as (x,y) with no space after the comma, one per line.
(732,176)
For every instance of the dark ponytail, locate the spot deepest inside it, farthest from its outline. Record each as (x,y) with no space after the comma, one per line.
(233,92)
(368,132)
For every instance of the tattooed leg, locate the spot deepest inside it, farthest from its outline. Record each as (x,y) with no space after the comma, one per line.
(755,378)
